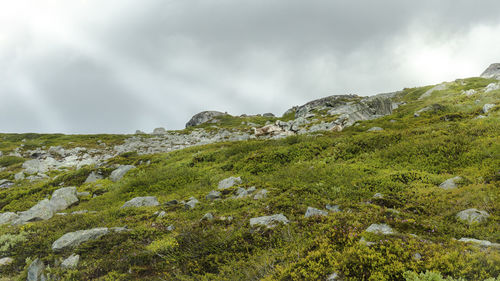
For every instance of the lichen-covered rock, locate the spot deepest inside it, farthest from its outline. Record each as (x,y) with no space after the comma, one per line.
(268,221)
(73,239)
(62,198)
(93,177)
(472,215)
(493,71)
(429,92)
(71,262)
(6,184)
(487,107)
(6,261)
(214,194)
(43,210)
(229,182)
(142,202)
(207,217)
(261,194)
(380,229)
(191,203)
(492,87)
(8,217)
(482,243)
(375,129)
(118,174)
(451,183)
(203,117)
(159,131)
(36,271)
(310,212)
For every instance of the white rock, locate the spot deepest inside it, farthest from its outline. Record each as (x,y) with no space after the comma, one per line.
(310,212)
(229,182)
(71,262)
(269,221)
(451,183)
(492,87)
(380,229)
(6,261)
(482,243)
(118,174)
(73,239)
(8,217)
(141,202)
(487,107)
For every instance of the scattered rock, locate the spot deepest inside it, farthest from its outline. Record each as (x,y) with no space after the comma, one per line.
(482,243)
(83,194)
(213,195)
(261,194)
(310,212)
(171,203)
(73,239)
(493,71)
(118,174)
(35,271)
(19,176)
(469,92)
(451,183)
(207,217)
(242,192)
(472,216)
(378,196)
(434,108)
(332,208)
(333,277)
(162,214)
(139,132)
(71,262)
(93,177)
(6,261)
(203,117)
(268,130)
(63,198)
(417,256)
(229,182)
(170,228)
(492,87)
(268,115)
(6,184)
(487,107)
(142,202)
(191,203)
(375,129)
(380,229)
(8,217)
(269,221)
(41,211)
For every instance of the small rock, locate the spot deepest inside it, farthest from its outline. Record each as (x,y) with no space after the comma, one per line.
(171,203)
(83,194)
(71,262)
(492,87)
(269,221)
(333,277)
(261,194)
(332,208)
(378,196)
(81,212)
(469,92)
(6,261)
(213,195)
(35,271)
(417,256)
(191,203)
(487,107)
(118,174)
(93,177)
(8,217)
(6,184)
(141,202)
(63,198)
(314,212)
(170,228)
(19,176)
(482,243)
(229,182)
(207,217)
(73,239)
(472,216)
(375,129)
(161,214)
(451,183)
(380,229)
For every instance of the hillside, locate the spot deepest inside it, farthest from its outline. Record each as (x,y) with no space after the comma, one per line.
(342,188)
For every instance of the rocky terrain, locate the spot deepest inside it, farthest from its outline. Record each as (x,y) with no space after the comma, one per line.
(394,186)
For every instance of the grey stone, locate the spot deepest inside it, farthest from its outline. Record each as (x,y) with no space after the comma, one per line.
(482,243)
(268,221)
(141,202)
(35,271)
(207,217)
(451,183)
(310,212)
(378,195)
(203,117)
(380,229)
(469,92)
(8,217)
(93,177)
(71,262)
(487,107)
(191,203)
(6,261)
(171,203)
(62,198)
(332,208)
(492,87)
(229,182)
(417,256)
(73,239)
(375,129)
(439,87)
(19,176)
(159,131)
(493,71)
(43,210)
(83,194)
(213,195)
(471,216)
(139,132)
(162,214)
(333,277)
(261,194)
(170,228)
(118,174)
(6,184)
(268,114)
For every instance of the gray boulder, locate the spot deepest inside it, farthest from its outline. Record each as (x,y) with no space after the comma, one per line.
(380,229)
(213,195)
(191,203)
(482,243)
(375,129)
(118,174)
(93,177)
(35,271)
(207,217)
(451,183)
(268,221)
(492,87)
(41,211)
(493,71)
(63,198)
(71,262)
(242,192)
(229,182)
(8,217)
(487,107)
(471,216)
(310,212)
(142,202)
(203,117)
(73,239)
(261,194)
(6,261)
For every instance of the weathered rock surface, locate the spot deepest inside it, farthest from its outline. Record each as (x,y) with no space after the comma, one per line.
(451,183)
(311,212)
(487,107)
(63,198)
(208,217)
(71,262)
(35,271)
(261,194)
(6,184)
(492,87)
(242,192)
(229,182)
(213,195)
(203,117)
(482,243)
(375,129)
(493,71)
(333,277)
(159,131)
(439,87)
(93,177)
(268,221)
(472,215)
(118,174)
(332,208)
(73,239)
(6,261)
(41,211)
(380,229)
(142,202)
(8,217)
(191,203)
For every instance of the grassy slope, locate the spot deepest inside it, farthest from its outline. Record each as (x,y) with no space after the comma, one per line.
(405,162)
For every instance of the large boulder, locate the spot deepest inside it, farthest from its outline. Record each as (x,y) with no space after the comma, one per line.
(493,71)
(451,183)
(118,174)
(8,217)
(229,182)
(35,271)
(472,215)
(142,202)
(268,221)
(73,239)
(63,198)
(380,229)
(159,131)
(203,117)
(43,210)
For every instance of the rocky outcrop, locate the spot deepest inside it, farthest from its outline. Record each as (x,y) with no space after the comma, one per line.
(203,117)
(492,87)
(141,202)
(229,182)
(261,194)
(73,239)
(472,215)
(93,177)
(41,211)
(268,221)
(493,71)
(118,174)
(8,217)
(383,229)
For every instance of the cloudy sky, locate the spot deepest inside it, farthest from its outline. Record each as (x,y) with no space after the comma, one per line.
(114,66)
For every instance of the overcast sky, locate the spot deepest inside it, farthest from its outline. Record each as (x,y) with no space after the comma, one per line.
(114,66)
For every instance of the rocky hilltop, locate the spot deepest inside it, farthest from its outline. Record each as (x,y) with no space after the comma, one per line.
(385,187)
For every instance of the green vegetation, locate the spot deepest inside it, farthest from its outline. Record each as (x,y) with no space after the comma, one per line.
(406,163)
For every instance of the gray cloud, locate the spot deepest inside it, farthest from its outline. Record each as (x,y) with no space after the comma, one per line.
(127,65)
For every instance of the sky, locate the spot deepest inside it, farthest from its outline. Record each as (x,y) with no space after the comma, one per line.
(115,66)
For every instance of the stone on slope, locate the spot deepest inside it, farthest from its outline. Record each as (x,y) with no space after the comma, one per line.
(19,176)
(213,195)
(6,261)
(159,131)
(332,208)
(439,87)
(41,211)
(73,239)
(482,243)
(268,221)
(375,129)
(333,277)
(493,71)
(71,262)
(310,212)
(6,184)
(261,194)
(203,117)
(487,107)
(142,202)
(35,271)
(229,182)
(207,217)
(63,198)
(118,174)
(380,229)
(8,217)
(492,87)
(472,215)
(93,177)
(451,183)
(191,203)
